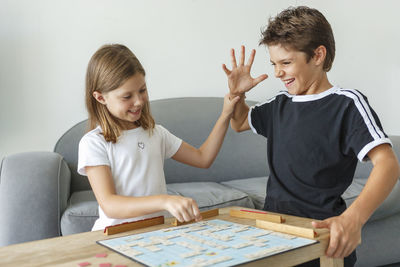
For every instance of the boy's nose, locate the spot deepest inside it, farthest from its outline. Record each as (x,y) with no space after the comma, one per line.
(278,73)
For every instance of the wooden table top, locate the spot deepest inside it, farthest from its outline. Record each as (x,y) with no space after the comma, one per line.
(74,249)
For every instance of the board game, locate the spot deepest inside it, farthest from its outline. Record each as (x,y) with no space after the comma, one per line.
(206,243)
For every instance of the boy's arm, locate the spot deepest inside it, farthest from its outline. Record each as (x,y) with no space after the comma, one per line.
(346,228)
(204,156)
(239,120)
(123,207)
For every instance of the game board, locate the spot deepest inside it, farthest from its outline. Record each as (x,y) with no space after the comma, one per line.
(206,243)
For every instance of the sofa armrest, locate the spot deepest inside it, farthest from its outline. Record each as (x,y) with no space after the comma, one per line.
(34,189)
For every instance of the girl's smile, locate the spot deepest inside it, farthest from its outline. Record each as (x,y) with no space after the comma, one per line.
(127,101)
(135,114)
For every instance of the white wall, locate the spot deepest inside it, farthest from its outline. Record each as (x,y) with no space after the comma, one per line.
(45,47)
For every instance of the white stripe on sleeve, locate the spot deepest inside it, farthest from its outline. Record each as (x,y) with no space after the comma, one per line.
(365,112)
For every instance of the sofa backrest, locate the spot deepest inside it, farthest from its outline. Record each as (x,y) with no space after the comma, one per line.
(242,155)
(67,146)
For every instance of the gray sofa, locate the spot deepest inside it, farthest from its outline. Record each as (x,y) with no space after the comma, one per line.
(42,196)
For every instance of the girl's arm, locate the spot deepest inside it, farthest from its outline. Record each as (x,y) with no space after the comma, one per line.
(204,156)
(123,207)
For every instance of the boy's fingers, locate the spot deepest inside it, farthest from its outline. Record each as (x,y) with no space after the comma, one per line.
(226,70)
(320,224)
(339,251)
(233,58)
(333,245)
(251,58)
(348,250)
(241,61)
(260,79)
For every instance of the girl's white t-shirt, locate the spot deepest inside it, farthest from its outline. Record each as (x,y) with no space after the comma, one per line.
(136,161)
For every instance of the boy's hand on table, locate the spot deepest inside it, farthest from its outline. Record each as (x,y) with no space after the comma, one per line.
(239,78)
(345,235)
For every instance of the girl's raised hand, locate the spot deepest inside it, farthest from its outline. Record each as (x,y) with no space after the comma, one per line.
(182,208)
(229,105)
(239,78)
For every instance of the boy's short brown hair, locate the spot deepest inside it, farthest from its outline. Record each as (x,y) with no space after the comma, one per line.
(301,28)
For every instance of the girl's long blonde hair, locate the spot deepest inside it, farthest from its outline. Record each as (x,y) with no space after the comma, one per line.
(107,70)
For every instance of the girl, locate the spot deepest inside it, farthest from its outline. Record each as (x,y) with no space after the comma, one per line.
(124,152)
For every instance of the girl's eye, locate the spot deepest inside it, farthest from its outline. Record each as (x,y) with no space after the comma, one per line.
(127,97)
(143,90)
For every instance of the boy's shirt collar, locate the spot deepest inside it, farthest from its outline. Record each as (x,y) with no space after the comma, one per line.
(306,98)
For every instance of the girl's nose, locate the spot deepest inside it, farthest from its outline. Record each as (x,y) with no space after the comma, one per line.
(138,101)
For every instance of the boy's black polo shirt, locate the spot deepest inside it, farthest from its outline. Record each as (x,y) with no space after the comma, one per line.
(313,145)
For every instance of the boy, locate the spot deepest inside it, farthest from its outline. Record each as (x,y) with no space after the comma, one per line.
(315,131)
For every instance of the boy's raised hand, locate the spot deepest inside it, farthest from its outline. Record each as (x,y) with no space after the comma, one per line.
(239,78)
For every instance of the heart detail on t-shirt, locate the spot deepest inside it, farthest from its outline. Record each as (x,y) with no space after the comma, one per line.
(140,145)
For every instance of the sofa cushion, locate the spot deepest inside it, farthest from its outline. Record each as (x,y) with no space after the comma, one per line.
(255,188)
(388,208)
(82,210)
(81,213)
(210,195)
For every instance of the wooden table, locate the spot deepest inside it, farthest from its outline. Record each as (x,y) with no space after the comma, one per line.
(74,249)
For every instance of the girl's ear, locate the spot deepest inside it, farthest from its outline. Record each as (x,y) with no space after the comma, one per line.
(319,55)
(99,97)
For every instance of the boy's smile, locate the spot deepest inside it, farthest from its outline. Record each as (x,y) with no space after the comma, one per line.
(288,82)
(299,76)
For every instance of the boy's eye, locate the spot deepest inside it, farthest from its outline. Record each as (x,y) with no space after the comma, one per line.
(286,63)
(126,97)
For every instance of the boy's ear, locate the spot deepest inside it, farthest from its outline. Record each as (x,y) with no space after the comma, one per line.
(99,97)
(319,55)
